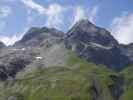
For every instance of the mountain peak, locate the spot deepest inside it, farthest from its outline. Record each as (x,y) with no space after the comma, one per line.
(83,22)
(85,31)
(36,35)
(84,25)
(95,44)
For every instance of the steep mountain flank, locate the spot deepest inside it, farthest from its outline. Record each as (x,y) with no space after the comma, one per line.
(96,45)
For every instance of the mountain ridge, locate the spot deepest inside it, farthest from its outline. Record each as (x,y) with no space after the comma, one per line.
(86,39)
(86,63)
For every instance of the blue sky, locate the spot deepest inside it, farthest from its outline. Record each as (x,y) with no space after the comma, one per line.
(17,16)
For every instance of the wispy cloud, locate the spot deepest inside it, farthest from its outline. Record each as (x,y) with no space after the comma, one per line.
(31,4)
(93,14)
(122,28)
(83,13)
(5,11)
(79,13)
(55,16)
(53,12)
(10,40)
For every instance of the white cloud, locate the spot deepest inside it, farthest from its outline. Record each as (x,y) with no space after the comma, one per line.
(53,12)
(10,40)
(5,11)
(122,28)
(79,14)
(93,14)
(31,4)
(54,16)
(83,13)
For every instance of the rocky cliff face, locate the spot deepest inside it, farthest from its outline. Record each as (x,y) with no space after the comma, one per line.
(2,45)
(39,47)
(96,44)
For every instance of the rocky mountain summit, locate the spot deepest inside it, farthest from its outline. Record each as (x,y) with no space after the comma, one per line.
(97,45)
(35,36)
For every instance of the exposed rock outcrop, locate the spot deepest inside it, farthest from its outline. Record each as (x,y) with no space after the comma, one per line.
(96,44)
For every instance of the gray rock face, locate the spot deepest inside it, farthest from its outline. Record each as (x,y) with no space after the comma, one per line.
(2,45)
(128,51)
(11,63)
(95,44)
(87,32)
(40,46)
(35,36)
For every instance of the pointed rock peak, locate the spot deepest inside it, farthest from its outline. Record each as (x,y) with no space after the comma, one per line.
(84,25)
(87,32)
(83,22)
(33,29)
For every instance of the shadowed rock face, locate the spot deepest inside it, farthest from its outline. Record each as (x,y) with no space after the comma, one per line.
(87,32)
(2,45)
(96,44)
(128,51)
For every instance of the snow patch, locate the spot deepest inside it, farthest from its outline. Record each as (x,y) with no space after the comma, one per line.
(39,58)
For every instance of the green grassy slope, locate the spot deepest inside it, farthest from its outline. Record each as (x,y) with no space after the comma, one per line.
(78,80)
(128,75)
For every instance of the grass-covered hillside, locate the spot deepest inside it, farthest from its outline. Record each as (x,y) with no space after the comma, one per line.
(78,80)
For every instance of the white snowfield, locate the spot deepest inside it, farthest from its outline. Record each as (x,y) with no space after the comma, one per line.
(23,49)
